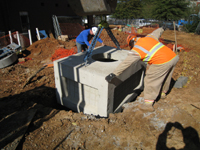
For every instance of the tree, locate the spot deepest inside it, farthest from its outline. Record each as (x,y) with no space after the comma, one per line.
(128,9)
(147,6)
(170,9)
(194,9)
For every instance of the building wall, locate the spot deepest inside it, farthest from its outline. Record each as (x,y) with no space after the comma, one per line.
(39,14)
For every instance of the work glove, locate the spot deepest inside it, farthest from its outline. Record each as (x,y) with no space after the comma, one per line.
(111,78)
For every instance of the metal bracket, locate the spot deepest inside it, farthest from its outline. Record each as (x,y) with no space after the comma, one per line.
(9,49)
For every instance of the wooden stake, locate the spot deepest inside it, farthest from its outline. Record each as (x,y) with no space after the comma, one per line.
(175,37)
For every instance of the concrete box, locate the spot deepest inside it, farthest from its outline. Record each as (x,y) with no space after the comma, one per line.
(84,88)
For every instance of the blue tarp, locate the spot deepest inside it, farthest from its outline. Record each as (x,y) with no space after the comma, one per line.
(43,34)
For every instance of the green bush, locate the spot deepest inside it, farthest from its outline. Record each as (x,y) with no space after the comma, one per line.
(191,27)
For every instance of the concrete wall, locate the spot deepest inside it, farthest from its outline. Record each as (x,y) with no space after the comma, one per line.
(39,12)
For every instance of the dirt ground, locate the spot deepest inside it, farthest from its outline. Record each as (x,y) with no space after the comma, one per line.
(30,117)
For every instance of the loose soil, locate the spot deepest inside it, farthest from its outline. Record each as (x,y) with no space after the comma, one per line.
(175,124)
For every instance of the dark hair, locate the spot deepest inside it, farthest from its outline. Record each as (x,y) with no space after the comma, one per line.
(131,44)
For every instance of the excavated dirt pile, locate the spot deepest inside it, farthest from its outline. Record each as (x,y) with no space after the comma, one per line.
(30,117)
(45,48)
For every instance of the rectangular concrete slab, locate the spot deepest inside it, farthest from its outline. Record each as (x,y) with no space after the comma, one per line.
(84,88)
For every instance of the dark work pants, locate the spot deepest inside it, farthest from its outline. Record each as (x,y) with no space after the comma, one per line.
(81,47)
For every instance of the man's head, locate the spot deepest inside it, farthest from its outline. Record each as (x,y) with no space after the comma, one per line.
(93,30)
(131,40)
(131,44)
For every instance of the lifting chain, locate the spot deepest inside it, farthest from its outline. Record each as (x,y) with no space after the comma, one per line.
(101,26)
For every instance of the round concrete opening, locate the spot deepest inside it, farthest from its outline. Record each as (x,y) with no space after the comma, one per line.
(102,57)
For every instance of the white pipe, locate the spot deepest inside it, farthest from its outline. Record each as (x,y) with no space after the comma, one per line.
(38,35)
(29,34)
(10,35)
(18,39)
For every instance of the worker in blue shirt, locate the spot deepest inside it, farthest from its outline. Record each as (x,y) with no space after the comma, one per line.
(82,40)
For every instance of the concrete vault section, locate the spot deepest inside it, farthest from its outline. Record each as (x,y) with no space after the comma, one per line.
(84,88)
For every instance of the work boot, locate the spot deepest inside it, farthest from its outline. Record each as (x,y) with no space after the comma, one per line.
(163,95)
(147,105)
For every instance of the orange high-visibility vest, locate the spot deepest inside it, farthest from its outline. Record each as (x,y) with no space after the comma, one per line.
(152,51)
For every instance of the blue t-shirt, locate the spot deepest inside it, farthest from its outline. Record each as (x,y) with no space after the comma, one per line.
(82,38)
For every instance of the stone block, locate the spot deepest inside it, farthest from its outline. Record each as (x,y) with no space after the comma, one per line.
(84,88)
(181,82)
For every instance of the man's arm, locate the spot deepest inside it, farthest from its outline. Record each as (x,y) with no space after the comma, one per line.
(98,39)
(130,59)
(157,33)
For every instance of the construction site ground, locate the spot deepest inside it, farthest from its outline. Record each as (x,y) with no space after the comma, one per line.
(31,118)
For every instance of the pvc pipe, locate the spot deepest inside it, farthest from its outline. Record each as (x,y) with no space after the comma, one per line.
(10,35)
(18,39)
(38,34)
(29,34)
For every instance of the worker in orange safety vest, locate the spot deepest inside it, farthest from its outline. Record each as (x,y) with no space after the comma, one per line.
(161,61)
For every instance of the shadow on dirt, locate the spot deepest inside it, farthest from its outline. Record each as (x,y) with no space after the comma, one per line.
(23,113)
(190,137)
